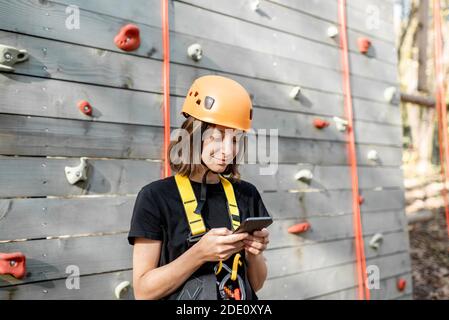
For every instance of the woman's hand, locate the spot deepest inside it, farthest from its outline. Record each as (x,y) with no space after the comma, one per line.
(219,244)
(257,242)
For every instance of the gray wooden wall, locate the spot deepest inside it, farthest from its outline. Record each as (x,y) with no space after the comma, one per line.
(282,45)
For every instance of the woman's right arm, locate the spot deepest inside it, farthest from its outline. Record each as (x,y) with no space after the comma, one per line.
(152,282)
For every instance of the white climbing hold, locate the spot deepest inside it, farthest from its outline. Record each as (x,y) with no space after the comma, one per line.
(391,95)
(255,5)
(121,289)
(376,241)
(75,174)
(373,155)
(304,175)
(341,124)
(195,52)
(295,92)
(332,31)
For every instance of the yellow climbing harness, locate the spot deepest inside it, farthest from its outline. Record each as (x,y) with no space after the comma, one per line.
(196,222)
(198,228)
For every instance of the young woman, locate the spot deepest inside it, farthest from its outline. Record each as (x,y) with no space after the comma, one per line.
(181,228)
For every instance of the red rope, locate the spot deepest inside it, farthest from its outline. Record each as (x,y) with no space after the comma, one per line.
(363,290)
(166,85)
(441,104)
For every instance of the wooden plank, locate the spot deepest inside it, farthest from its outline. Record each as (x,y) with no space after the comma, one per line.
(318,282)
(30,135)
(27,135)
(52,217)
(60,61)
(25,177)
(327,9)
(102,286)
(93,19)
(335,227)
(54,98)
(384,6)
(386,133)
(44,136)
(92,287)
(48,259)
(301,125)
(312,151)
(405,297)
(34,218)
(387,291)
(49,21)
(330,217)
(324,203)
(211,25)
(34,96)
(287,124)
(148,12)
(279,18)
(301,259)
(325,177)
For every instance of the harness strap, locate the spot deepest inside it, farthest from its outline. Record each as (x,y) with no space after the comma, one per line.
(196,222)
(232,203)
(197,227)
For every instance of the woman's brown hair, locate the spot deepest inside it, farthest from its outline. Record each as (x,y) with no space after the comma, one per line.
(191,125)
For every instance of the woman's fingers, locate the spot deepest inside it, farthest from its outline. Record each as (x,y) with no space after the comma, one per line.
(257,239)
(253,250)
(233,238)
(255,244)
(261,233)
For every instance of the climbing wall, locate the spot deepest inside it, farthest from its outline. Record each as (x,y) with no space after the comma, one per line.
(285,52)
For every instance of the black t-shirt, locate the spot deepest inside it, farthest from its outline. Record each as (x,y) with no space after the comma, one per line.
(159,214)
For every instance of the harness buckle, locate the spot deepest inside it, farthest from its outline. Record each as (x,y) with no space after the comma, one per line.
(191,240)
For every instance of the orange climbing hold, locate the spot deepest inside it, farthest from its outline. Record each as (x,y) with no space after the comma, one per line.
(299,228)
(361,199)
(13,263)
(85,107)
(364,44)
(401,284)
(128,38)
(320,123)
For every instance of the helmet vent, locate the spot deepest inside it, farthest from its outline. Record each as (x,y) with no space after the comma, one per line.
(190,93)
(196,93)
(251,114)
(208,102)
(198,102)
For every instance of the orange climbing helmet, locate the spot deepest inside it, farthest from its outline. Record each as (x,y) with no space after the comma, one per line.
(219,100)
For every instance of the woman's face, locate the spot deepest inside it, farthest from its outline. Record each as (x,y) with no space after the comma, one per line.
(220,147)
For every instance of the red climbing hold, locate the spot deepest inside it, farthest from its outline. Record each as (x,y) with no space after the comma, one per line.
(13,263)
(401,284)
(128,38)
(85,107)
(320,123)
(364,44)
(298,228)
(361,199)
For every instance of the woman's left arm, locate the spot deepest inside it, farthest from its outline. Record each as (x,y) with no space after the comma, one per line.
(255,244)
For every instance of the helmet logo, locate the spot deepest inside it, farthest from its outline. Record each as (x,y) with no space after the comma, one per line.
(208,102)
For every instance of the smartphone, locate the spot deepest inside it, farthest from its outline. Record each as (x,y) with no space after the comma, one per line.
(254,224)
